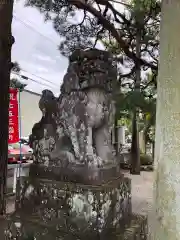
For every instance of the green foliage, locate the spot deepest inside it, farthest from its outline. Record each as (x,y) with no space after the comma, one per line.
(30,236)
(113,46)
(16,67)
(145,5)
(146,159)
(132,100)
(14,83)
(82,23)
(77,34)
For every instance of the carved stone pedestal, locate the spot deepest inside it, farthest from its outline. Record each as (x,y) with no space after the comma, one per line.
(52,208)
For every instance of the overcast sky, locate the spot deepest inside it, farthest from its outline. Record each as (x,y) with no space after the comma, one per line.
(36,48)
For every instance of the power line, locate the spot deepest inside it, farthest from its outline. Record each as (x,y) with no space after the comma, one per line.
(32,28)
(45,80)
(35,30)
(31,79)
(28,78)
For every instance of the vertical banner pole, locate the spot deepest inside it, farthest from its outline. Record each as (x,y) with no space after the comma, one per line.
(16,166)
(19,166)
(20,127)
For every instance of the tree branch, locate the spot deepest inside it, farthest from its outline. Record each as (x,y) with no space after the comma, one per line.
(82,4)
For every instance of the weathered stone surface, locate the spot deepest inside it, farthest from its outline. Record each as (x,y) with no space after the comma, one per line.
(64,210)
(75,128)
(75,173)
(75,189)
(137,230)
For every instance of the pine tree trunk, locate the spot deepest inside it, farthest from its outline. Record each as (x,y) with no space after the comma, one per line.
(153,150)
(164,222)
(6,40)
(135,153)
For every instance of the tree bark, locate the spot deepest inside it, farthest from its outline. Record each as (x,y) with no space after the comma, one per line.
(164,222)
(111,28)
(153,150)
(6,41)
(135,153)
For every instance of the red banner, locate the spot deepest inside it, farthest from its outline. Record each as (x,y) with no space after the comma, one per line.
(13,116)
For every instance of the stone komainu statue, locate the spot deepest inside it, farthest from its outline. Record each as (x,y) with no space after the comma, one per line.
(76,190)
(75,128)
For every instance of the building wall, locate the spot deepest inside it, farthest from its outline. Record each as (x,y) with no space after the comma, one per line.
(30,112)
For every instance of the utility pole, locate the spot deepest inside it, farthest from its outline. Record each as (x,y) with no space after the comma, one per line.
(6,41)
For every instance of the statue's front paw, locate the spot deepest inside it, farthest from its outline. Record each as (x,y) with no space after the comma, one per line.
(94,160)
(99,161)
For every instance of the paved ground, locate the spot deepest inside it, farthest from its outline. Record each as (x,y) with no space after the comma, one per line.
(10,209)
(142,189)
(10,205)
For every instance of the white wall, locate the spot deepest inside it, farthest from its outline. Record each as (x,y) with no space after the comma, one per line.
(30,112)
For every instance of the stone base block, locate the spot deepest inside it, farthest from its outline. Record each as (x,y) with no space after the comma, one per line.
(76,173)
(51,209)
(137,230)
